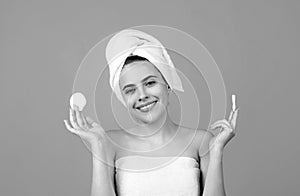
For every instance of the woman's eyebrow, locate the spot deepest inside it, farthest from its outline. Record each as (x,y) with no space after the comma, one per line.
(146,78)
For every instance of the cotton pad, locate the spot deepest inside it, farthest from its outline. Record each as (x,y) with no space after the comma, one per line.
(79,100)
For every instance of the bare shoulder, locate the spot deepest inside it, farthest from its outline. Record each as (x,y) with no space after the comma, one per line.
(201,139)
(116,136)
(204,139)
(114,133)
(200,134)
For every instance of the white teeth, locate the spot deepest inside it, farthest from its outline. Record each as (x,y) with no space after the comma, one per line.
(145,108)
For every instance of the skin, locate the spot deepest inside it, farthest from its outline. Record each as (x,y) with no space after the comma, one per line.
(156,124)
(152,129)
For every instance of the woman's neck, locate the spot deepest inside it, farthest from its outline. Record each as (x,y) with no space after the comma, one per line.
(157,132)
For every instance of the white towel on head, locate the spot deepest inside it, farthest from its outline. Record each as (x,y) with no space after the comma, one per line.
(133,42)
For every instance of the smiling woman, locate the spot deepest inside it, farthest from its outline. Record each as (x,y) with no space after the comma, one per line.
(151,161)
(144,89)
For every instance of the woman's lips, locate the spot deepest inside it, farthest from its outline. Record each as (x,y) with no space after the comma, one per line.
(146,109)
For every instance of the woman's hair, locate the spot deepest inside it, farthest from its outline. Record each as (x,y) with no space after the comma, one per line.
(135,58)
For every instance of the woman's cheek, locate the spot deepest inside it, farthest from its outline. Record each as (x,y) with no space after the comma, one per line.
(158,90)
(130,101)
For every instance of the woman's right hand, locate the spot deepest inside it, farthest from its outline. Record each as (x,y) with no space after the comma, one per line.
(85,127)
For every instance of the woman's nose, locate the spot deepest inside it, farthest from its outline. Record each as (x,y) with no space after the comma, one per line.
(142,94)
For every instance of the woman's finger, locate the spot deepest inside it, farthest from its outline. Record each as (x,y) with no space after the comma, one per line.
(233,107)
(230,120)
(68,126)
(73,119)
(78,116)
(222,126)
(85,123)
(234,118)
(230,116)
(221,123)
(91,121)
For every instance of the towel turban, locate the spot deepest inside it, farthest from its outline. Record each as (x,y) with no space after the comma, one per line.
(133,42)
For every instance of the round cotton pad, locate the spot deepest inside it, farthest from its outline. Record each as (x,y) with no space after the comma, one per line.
(79,100)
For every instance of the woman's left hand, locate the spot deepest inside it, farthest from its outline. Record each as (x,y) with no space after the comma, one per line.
(227,132)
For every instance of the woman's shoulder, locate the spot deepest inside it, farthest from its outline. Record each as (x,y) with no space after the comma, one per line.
(201,138)
(117,136)
(114,133)
(198,133)
(115,140)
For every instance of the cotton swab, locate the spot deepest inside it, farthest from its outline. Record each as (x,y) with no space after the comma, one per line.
(233,102)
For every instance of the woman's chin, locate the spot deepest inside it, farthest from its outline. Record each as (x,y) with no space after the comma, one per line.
(145,119)
(149,117)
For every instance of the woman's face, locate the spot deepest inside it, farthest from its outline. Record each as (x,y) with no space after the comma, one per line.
(142,84)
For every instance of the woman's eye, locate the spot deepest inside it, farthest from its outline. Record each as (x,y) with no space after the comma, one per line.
(150,83)
(129,91)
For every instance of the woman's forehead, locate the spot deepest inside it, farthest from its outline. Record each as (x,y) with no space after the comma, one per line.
(136,71)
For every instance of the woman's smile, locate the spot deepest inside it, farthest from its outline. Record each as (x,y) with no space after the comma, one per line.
(147,107)
(145,92)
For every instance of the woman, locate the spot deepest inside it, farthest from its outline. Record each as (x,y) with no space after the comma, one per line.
(142,83)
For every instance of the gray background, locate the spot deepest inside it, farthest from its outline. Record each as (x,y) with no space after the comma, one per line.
(255,43)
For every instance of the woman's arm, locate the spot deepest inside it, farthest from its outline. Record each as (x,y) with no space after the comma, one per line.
(213,178)
(103,172)
(103,154)
(211,168)
(212,160)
